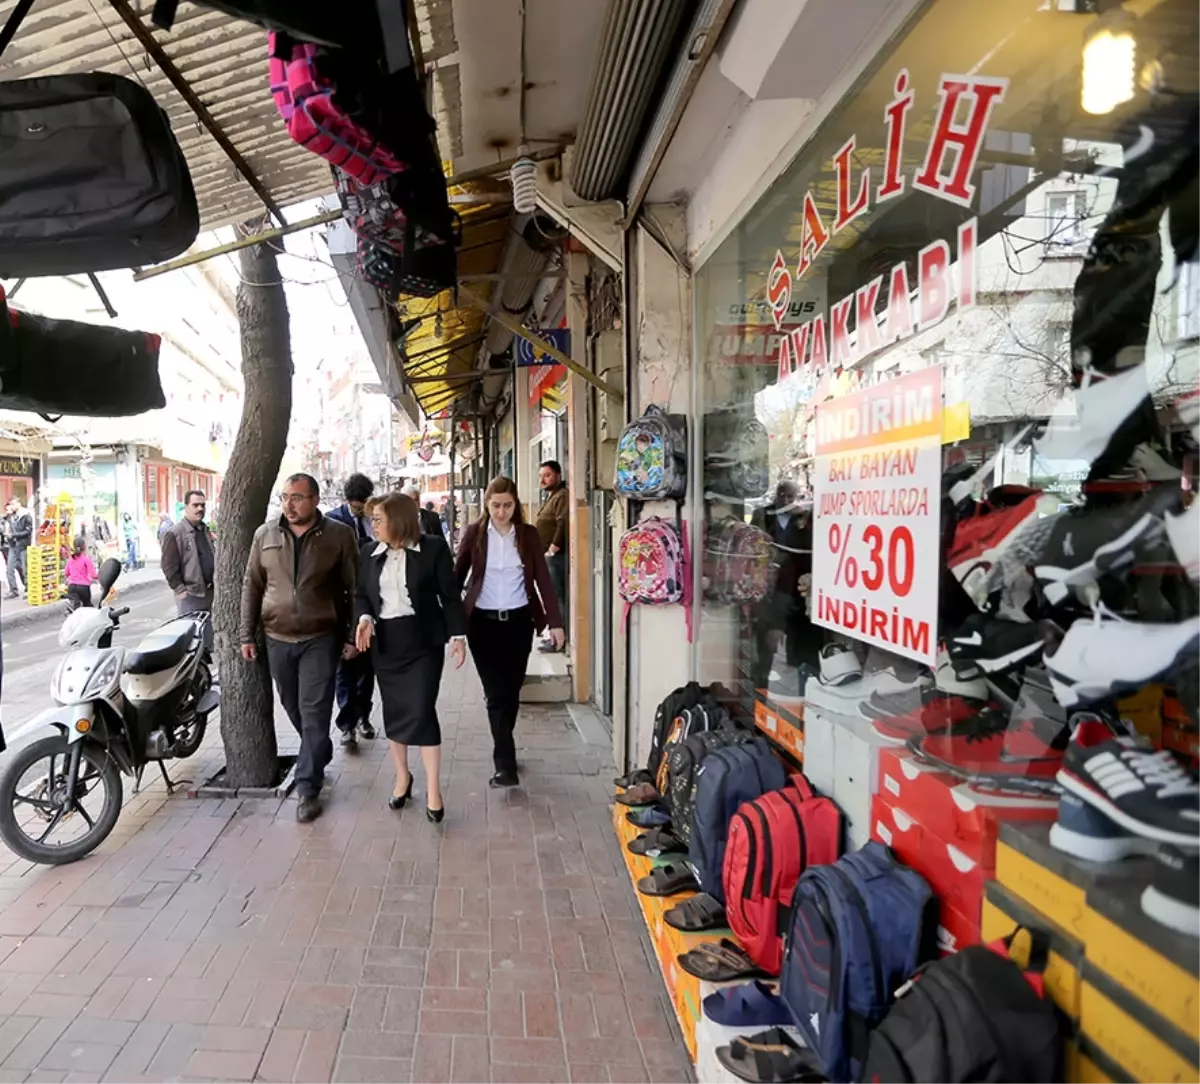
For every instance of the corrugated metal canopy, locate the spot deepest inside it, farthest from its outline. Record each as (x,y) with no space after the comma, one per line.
(224,60)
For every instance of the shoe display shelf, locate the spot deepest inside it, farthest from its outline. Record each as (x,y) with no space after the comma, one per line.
(782,723)
(1128,983)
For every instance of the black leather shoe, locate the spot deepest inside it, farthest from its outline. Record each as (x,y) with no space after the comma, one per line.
(395,802)
(504,779)
(435,815)
(308,809)
(349,741)
(367,731)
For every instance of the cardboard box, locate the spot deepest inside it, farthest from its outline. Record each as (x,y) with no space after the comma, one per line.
(783,726)
(956,931)
(956,812)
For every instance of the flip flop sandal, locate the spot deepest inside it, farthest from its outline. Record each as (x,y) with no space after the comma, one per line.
(668,880)
(642,775)
(655,842)
(722,962)
(642,794)
(648,817)
(700,913)
(754,1005)
(771,1057)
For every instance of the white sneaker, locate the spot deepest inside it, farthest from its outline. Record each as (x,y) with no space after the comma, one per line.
(839,665)
(1183,531)
(1101,409)
(948,681)
(1101,660)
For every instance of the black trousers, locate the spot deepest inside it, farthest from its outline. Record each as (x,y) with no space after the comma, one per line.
(355,686)
(81,593)
(304,676)
(501,653)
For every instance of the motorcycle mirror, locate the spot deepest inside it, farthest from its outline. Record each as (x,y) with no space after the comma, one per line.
(109,571)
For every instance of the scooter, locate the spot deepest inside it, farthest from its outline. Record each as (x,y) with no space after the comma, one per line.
(116,711)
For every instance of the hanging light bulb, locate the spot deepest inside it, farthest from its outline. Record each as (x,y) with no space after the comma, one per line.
(523,176)
(1109,54)
(437,325)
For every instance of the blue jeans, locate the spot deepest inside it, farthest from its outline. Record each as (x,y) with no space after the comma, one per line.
(131,551)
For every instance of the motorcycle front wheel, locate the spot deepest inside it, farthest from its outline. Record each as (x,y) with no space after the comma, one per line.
(36,819)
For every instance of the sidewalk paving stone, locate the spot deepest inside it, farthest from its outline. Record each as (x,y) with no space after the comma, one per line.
(218,939)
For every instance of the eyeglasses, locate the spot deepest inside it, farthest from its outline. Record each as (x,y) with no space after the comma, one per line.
(296,498)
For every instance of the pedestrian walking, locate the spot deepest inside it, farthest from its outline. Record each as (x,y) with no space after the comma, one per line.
(80,574)
(431,522)
(189,560)
(409,606)
(130,531)
(18,537)
(509,597)
(355,677)
(299,585)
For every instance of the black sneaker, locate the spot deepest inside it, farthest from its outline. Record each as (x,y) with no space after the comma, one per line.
(993,645)
(349,741)
(504,779)
(1145,791)
(367,731)
(1173,898)
(1084,832)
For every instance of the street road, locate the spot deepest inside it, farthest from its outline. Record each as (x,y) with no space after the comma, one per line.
(31,653)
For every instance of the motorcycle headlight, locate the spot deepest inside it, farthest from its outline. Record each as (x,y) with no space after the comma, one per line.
(102,677)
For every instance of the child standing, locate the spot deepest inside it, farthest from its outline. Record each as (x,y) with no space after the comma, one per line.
(81,574)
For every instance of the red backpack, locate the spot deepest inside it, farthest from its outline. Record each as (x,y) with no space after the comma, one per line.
(772,840)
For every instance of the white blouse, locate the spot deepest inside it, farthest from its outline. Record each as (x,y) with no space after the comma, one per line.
(504,577)
(394,599)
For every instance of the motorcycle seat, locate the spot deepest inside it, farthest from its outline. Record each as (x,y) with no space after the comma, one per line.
(162,649)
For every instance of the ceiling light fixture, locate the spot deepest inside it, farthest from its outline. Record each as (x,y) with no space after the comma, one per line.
(1109,55)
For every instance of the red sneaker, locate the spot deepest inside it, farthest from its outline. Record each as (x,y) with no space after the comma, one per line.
(938,714)
(980,539)
(980,747)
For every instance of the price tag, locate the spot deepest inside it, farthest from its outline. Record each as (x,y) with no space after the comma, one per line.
(876,529)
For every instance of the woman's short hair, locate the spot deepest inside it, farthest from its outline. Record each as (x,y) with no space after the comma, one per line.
(404,525)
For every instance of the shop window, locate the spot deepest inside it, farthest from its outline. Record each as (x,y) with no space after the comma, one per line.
(1065,221)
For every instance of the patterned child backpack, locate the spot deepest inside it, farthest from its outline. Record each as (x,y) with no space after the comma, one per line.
(737,559)
(322,116)
(653,567)
(652,458)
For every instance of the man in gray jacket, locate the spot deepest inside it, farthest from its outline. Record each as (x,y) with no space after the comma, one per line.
(189,560)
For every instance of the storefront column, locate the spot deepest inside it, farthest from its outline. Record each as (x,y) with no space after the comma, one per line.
(579,395)
(527,483)
(660,654)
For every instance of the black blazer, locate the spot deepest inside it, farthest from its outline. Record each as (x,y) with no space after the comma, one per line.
(432,589)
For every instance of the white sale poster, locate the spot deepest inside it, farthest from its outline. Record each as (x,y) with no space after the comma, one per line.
(877,493)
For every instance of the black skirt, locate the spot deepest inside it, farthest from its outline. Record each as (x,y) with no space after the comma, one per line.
(409,671)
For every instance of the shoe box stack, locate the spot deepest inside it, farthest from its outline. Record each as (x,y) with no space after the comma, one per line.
(782,721)
(1126,980)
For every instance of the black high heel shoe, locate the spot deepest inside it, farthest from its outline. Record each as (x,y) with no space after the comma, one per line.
(398,802)
(435,815)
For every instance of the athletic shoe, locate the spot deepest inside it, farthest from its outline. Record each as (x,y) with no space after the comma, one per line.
(1089,542)
(981,540)
(787,684)
(1084,832)
(839,665)
(1173,898)
(1103,660)
(992,645)
(1034,738)
(1110,413)
(938,715)
(966,680)
(1146,792)
(1183,531)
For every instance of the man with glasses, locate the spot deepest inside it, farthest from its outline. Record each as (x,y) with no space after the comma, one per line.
(299,585)
(189,560)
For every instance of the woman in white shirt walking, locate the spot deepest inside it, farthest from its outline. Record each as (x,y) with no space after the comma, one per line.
(408,607)
(510,596)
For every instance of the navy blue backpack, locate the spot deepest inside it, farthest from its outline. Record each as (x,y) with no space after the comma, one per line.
(725,779)
(858,930)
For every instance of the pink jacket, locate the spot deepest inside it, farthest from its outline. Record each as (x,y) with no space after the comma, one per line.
(81,570)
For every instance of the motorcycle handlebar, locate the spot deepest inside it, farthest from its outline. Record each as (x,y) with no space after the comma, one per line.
(118,613)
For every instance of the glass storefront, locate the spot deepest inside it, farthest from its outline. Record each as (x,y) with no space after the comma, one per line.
(972,297)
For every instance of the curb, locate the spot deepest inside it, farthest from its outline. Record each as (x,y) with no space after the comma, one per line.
(36,615)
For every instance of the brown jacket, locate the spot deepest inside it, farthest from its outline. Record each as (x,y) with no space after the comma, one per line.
(181,559)
(473,559)
(553,517)
(304,600)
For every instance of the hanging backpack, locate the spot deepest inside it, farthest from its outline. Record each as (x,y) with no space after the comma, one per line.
(857,931)
(93,177)
(727,779)
(738,563)
(652,458)
(737,456)
(973,1016)
(686,696)
(653,567)
(772,840)
(683,772)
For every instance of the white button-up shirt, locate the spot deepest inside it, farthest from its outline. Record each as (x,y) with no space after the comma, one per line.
(504,577)
(394,599)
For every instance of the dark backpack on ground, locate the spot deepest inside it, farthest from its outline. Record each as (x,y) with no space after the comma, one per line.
(973,1016)
(857,932)
(686,696)
(772,841)
(689,722)
(727,779)
(91,177)
(683,767)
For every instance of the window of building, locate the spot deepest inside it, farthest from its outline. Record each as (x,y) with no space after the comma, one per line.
(1066,214)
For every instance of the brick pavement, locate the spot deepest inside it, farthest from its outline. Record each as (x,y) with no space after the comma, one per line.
(220,940)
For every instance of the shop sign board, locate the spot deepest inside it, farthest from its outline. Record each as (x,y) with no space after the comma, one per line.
(876,527)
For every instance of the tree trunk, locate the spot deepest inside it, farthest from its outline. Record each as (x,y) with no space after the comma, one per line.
(247,700)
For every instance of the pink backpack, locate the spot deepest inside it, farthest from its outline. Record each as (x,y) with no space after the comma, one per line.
(310,105)
(738,562)
(653,567)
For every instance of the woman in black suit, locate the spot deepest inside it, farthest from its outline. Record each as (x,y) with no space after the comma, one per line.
(408,606)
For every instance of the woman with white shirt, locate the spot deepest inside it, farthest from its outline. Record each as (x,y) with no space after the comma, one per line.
(510,596)
(408,607)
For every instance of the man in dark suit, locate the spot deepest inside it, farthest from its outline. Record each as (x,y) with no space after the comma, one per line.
(431,522)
